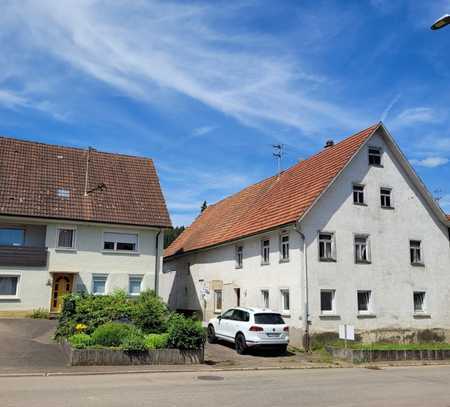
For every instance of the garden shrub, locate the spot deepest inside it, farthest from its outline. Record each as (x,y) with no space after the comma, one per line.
(149,313)
(430,336)
(92,311)
(185,333)
(80,341)
(111,334)
(157,341)
(134,341)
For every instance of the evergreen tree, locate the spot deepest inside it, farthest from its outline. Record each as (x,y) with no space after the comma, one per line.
(204,206)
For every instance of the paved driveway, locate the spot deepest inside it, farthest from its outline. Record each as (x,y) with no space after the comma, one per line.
(26,345)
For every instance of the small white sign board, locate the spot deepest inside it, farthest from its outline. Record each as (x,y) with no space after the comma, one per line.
(347,332)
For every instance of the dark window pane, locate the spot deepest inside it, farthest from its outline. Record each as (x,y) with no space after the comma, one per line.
(12,237)
(8,285)
(65,238)
(126,246)
(108,246)
(326,301)
(269,319)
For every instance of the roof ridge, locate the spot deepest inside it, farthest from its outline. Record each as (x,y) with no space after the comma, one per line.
(284,172)
(41,143)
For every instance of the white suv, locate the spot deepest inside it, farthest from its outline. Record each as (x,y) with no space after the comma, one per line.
(250,327)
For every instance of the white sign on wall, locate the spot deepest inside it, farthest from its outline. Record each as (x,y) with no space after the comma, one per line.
(347,332)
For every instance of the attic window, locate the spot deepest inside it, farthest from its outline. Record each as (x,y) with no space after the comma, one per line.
(63,193)
(375,156)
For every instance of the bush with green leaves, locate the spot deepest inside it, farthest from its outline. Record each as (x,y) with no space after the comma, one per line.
(134,341)
(157,341)
(80,341)
(92,311)
(185,333)
(111,334)
(40,313)
(149,313)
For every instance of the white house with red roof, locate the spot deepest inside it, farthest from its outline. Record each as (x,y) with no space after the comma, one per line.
(350,235)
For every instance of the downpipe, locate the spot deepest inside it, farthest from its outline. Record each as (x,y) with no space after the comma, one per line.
(157,262)
(306,336)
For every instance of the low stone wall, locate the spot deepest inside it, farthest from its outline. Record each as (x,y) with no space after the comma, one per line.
(116,357)
(362,356)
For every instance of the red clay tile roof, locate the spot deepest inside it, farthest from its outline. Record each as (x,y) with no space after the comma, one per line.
(448,217)
(32,173)
(270,203)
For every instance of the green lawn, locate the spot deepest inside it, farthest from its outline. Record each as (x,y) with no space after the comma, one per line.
(394,346)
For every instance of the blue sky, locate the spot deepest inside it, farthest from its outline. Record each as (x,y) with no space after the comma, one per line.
(205,88)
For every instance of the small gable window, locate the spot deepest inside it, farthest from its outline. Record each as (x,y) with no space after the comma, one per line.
(358,194)
(374,156)
(386,198)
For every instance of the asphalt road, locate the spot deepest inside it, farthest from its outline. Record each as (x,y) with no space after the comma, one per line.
(413,386)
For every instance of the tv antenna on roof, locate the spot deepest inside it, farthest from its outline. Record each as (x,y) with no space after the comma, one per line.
(278,151)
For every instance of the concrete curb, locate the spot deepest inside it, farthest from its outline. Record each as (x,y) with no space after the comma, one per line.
(199,369)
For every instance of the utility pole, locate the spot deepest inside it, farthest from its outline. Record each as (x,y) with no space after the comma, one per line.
(278,151)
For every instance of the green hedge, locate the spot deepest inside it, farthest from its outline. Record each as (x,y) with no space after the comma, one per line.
(133,324)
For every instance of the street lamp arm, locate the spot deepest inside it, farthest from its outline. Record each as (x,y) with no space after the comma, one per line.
(442,22)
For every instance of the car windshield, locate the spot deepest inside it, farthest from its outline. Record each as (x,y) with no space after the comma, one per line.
(268,319)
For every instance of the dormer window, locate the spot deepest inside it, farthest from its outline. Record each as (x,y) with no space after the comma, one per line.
(375,156)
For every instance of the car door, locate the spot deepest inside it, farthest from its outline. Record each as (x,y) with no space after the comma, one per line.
(223,324)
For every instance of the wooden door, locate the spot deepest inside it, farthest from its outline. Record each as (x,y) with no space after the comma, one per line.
(62,285)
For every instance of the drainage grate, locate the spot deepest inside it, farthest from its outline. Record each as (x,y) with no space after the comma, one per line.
(211,378)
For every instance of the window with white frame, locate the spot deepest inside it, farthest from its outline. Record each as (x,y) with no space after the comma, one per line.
(284,247)
(135,284)
(374,156)
(364,301)
(358,194)
(415,252)
(419,301)
(120,241)
(12,236)
(326,247)
(265,251)
(99,284)
(265,298)
(327,301)
(386,197)
(239,256)
(285,301)
(66,238)
(218,301)
(9,286)
(362,249)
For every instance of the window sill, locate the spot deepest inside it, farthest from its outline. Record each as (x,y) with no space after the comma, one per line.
(66,249)
(9,298)
(265,264)
(329,316)
(421,315)
(238,267)
(359,204)
(369,315)
(376,165)
(284,261)
(217,312)
(325,260)
(130,253)
(389,208)
(418,264)
(286,314)
(363,262)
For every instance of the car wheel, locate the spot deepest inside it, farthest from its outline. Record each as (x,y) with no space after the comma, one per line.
(241,345)
(211,334)
(283,349)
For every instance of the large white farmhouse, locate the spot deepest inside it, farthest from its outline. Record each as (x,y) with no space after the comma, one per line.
(350,235)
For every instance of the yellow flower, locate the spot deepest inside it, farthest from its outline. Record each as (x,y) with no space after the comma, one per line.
(80,327)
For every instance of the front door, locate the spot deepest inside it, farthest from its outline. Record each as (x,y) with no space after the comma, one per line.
(62,285)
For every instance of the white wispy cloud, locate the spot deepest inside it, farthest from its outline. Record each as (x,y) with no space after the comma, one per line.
(430,162)
(201,131)
(417,115)
(11,100)
(146,49)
